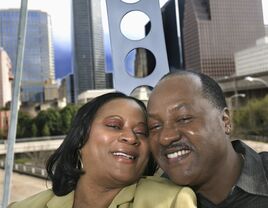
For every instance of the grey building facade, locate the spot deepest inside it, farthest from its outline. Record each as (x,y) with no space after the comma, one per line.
(38,66)
(213,30)
(88,46)
(66,89)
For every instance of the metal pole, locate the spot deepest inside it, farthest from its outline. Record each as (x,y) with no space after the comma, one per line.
(14,104)
(235,92)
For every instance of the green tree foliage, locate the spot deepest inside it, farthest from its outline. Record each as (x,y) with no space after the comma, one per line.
(34,130)
(67,115)
(252,119)
(1,135)
(24,125)
(48,122)
(51,122)
(45,131)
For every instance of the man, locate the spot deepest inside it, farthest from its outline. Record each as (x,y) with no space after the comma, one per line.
(190,130)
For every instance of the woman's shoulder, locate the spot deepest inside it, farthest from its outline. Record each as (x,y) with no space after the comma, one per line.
(45,199)
(38,200)
(159,190)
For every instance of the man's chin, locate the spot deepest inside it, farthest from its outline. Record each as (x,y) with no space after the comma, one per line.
(179,179)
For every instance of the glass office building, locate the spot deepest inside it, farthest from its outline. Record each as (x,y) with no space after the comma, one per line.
(38,66)
(213,30)
(88,47)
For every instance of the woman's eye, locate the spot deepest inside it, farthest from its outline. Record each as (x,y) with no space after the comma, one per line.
(114,126)
(142,132)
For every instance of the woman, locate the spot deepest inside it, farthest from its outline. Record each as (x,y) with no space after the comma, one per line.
(102,159)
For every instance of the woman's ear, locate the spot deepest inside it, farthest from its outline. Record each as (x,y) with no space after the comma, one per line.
(227,121)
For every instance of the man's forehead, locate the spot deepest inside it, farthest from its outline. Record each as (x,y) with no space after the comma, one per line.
(176,79)
(175,87)
(185,81)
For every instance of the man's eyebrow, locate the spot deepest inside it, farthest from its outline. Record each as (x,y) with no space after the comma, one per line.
(176,107)
(180,106)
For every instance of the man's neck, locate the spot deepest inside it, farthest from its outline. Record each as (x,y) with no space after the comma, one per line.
(221,183)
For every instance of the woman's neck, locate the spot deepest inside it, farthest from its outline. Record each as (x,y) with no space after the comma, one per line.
(89,195)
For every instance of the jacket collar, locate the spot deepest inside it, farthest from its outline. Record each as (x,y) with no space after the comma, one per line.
(125,196)
(61,201)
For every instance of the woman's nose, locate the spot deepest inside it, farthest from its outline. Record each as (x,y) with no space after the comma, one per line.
(129,137)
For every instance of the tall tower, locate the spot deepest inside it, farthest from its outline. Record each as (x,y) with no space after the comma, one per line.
(38,66)
(89,65)
(212,31)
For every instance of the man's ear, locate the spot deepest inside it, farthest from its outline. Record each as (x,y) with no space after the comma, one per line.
(226,118)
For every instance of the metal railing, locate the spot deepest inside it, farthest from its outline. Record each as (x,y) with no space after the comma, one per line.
(28,170)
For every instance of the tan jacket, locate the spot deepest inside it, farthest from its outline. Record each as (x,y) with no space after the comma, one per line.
(149,192)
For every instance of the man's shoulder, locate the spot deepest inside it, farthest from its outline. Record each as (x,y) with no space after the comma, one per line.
(264,157)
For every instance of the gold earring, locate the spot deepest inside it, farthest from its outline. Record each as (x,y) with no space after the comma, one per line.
(228,129)
(79,164)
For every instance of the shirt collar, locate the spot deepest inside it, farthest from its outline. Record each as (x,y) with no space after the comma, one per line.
(252,179)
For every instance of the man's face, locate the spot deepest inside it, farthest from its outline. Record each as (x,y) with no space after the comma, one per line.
(187,133)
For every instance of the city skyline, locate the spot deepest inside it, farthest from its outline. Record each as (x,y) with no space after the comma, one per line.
(61,28)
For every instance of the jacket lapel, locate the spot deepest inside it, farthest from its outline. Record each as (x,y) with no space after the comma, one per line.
(124,198)
(62,201)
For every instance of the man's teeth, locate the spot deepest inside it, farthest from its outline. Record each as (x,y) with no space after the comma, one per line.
(124,155)
(178,154)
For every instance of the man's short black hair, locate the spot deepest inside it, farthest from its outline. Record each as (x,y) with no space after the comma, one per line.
(210,88)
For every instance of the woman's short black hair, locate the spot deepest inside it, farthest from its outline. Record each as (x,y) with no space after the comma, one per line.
(63,165)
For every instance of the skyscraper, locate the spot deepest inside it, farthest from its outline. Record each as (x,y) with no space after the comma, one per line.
(66,90)
(89,68)
(212,31)
(38,66)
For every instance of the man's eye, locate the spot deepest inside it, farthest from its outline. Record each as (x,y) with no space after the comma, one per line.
(185,119)
(154,127)
(143,133)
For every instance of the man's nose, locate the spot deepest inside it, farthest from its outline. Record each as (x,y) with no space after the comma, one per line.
(169,135)
(129,137)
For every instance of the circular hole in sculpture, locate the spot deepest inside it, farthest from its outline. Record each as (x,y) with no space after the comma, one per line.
(135,25)
(140,62)
(142,93)
(130,1)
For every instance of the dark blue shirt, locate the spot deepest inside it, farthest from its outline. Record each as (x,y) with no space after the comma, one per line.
(251,189)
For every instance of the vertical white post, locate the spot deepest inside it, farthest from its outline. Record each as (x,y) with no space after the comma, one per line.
(14,104)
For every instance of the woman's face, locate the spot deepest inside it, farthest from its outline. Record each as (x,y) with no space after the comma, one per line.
(117,149)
